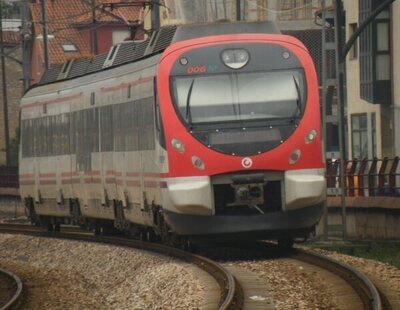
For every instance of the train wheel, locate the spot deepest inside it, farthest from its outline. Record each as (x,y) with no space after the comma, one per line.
(97,231)
(143,235)
(188,245)
(50,227)
(150,236)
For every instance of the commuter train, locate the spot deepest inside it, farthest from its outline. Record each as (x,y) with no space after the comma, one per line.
(199,132)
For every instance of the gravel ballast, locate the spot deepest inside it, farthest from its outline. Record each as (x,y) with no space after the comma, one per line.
(59,274)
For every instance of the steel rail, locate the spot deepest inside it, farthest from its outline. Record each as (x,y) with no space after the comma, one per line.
(225,280)
(358,280)
(15,300)
(370,296)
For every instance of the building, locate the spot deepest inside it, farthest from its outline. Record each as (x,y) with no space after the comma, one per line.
(78,28)
(373,70)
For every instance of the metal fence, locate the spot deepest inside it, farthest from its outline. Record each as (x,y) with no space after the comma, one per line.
(365,177)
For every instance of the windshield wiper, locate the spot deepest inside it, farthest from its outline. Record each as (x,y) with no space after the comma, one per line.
(298,100)
(188,114)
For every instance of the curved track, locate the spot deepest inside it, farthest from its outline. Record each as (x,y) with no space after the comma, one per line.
(11,290)
(228,286)
(366,290)
(368,294)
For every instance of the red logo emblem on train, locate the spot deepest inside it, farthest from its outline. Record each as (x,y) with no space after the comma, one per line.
(247,162)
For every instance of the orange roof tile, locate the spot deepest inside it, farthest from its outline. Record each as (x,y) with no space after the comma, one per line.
(63,18)
(11,37)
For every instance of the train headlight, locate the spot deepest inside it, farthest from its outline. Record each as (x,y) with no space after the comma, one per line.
(294,157)
(235,58)
(310,137)
(198,163)
(178,145)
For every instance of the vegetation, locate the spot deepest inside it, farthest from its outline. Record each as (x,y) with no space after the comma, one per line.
(384,252)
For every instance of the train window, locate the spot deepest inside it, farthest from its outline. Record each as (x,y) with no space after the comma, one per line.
(145,124)
(158,121)
(92,98)
(119,140)
(72,140)
(26,138)
(51,133)
(247,96)
(129,124)
(106,129)
(129,91)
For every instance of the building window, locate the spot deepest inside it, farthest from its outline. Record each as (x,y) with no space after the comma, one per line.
(375,59)
(69,47)
(296,10)
(373,135)
(354,50)
(119,36)
(359,132)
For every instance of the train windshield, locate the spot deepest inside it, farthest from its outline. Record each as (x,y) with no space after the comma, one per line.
(240,96)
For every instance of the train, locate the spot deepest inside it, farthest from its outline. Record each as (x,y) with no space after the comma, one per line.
(198,132)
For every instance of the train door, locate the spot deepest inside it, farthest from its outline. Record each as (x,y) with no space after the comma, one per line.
(108,175)
(87,166)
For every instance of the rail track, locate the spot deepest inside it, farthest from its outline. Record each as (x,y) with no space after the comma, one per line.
(229,288)
(232,294)
(367,292)
(370,296)
(11,290)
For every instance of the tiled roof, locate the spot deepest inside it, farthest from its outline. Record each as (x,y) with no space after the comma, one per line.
(11,37)
(64,15)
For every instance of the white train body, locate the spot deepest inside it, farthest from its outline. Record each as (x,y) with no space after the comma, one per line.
(131,177)
(105,142)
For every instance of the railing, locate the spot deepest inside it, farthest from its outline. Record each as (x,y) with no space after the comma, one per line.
(365,177)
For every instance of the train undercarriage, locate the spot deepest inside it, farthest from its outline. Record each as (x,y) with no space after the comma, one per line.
(170,228)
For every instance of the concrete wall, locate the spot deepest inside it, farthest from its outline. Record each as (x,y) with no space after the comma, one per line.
(368,218)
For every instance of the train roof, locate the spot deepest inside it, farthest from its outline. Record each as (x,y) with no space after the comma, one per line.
(131,51)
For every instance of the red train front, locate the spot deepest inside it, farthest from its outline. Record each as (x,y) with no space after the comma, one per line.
(240,122)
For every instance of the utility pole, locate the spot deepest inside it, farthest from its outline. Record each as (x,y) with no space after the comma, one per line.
(45,38)
(340,98)
(4,83)
(155,15)
(238,10)
(25,37)
(95,48)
